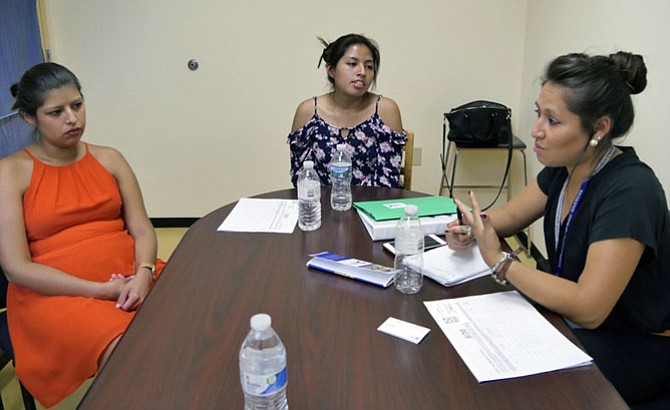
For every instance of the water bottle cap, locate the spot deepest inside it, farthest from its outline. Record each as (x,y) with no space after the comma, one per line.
(341,147)
(261,322)
(308,164)
(411,210)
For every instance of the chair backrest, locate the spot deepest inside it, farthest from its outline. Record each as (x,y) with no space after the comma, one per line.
(408,157)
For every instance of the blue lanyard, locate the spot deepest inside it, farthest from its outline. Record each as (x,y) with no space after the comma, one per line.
(573,209)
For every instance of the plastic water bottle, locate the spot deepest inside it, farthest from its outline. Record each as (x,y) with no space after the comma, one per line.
(263,367)
(309,198)
(409,248)
(340,179)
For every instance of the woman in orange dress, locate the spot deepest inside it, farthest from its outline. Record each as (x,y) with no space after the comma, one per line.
(76,243)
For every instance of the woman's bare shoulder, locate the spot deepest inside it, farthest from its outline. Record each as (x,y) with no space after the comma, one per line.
(16,170)
(104,152)
(390,113)
(19,159)
(303,114)
(388,104)
(109,157)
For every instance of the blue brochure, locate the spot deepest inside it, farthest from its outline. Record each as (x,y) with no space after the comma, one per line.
(353,268)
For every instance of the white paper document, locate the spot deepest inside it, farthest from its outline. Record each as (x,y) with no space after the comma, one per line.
(448,267)
(502,336)
(262,215)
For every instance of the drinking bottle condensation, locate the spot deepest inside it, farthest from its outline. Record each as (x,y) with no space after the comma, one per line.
(263,367)
(340,179)
(309,198)
(409,245)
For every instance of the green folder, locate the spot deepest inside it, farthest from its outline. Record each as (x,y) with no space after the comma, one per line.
(390,209)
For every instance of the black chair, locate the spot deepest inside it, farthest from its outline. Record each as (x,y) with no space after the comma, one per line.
(449,166)
(7,352)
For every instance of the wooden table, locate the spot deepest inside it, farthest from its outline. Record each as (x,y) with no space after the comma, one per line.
(181,351)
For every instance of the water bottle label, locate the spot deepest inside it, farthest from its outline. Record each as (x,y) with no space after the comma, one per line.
(263,385)
(309,191)
(340,171)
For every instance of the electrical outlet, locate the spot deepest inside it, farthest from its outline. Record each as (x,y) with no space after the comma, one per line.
(416,156)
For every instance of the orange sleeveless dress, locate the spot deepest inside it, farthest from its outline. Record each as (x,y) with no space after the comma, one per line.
(73,217)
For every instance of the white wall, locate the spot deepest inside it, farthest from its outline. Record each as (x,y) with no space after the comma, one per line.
(603,27)
(198,140)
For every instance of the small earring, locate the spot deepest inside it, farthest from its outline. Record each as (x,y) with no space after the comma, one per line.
(594,142)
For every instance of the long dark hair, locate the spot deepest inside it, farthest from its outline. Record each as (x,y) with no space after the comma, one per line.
(333,52)
(598,86)
(29,92)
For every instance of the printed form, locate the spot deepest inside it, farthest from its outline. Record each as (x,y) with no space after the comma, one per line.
(502,336)
(262,215)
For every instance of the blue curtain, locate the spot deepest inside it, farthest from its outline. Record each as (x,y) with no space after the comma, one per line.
(20,45)
(20,49)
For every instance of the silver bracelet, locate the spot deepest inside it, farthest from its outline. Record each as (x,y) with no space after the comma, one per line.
(499,270)
(496,273)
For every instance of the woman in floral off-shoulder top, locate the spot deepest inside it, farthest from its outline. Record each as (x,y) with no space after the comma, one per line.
(369,124)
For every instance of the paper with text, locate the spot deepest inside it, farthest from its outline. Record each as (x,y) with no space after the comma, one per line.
(502,336)
(262,215)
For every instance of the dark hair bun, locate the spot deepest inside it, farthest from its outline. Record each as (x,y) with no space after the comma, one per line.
(632,69)
(14,89)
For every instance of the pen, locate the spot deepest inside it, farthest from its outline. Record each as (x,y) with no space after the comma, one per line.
(459,215)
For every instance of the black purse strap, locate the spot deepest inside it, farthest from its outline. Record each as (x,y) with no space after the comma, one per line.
(510,150)
(443,155)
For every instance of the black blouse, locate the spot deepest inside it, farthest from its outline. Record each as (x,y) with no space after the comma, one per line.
(624,200)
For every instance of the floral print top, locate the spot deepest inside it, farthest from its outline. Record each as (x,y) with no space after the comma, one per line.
(375,150)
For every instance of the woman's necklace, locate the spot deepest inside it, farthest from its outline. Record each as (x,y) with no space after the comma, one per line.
(573,208)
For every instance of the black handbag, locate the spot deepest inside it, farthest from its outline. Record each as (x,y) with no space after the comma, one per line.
(478,124)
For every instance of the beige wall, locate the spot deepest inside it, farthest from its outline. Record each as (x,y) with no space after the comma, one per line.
(198,140)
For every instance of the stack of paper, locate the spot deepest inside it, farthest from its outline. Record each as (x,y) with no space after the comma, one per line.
(385,230)
(502,336)
(353,268)
(380,217)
